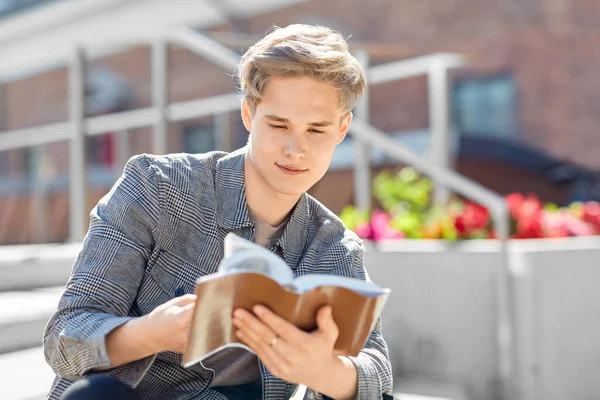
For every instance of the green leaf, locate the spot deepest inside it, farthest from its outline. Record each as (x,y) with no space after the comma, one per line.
(351,217)
(408,174)
(409,223)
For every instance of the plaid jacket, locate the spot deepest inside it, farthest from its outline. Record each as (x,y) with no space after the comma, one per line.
(158,229)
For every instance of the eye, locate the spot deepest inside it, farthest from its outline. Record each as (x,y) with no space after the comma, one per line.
(277,126)
(316,131)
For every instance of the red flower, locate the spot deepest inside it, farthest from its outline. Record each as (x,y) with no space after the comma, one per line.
(527,211)
(591,215)
(529,227)
(521,206)
(514,201)
(473,217)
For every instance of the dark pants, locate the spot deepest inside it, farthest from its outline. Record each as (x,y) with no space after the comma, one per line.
(105,387)
(100,387)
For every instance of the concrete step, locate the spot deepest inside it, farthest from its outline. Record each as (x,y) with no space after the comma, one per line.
(36,266)
(425,389)
(25,375)
(24,315)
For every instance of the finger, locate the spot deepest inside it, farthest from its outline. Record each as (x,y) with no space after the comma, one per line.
(275,362)
(187,310)
(183,300)
(247,322)
(326,324)
(183,315)
(280,326)
(262,335)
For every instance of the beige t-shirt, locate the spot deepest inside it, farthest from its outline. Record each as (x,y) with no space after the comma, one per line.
(265,234)
(235,366)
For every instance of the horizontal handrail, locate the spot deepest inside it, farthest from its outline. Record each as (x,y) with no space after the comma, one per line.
(411,67)
(114,122)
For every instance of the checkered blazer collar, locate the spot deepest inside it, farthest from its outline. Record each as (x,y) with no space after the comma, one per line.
(230,188)
(232,208)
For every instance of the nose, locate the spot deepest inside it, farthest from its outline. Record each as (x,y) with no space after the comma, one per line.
(294,147)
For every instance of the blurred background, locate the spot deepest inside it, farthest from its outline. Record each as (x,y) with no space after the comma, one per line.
(471,170)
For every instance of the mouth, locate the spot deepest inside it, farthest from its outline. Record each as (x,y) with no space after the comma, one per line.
(291,170)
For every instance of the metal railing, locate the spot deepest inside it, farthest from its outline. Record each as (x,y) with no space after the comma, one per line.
(435,67)
(158,116)
(371,136)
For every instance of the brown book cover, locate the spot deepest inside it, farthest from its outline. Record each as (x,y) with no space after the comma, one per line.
(250,275)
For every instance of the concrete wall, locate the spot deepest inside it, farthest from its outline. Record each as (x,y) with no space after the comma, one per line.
(440,320)
(559,309)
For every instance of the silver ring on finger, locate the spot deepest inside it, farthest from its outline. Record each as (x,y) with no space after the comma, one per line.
(274,341)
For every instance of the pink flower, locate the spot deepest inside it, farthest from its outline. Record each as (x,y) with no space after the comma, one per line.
(553,225)
(381,229)
(573,225)
(363,230)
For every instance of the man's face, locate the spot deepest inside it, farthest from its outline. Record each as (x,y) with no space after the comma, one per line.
(293,133)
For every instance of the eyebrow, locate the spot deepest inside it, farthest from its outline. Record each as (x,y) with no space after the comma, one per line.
(275,118)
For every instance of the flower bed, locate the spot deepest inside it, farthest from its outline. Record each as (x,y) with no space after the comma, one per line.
(405,211)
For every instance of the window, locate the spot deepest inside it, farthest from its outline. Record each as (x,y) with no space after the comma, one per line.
(198,138)
(105,92)
(485,106)
(100,150)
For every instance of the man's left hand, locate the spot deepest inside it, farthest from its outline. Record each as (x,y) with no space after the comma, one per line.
(289,353)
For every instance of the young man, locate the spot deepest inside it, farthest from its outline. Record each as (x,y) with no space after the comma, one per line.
(126,309)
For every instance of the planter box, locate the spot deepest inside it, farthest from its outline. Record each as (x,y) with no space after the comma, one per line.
(440,321)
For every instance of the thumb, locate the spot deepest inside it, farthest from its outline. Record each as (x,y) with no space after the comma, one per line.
(326,324)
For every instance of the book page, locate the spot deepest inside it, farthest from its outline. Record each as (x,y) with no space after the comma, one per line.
(242,255)
(308,282)
(234,244)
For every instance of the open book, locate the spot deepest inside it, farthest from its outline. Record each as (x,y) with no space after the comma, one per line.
(250,274)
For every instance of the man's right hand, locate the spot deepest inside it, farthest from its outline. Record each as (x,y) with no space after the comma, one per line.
(170,323)
(166,328)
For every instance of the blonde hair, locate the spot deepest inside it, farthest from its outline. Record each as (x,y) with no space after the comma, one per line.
(301,50)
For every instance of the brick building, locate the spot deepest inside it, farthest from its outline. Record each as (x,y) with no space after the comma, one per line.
(532,77)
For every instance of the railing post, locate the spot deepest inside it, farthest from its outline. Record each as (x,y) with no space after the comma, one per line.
(439,123)
(160,94)
(77,168)
(506,318)
(222,131)
(39,206)
(121,147)
(362,151)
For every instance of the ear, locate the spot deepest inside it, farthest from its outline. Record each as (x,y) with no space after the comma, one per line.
(246,116)
(345,126)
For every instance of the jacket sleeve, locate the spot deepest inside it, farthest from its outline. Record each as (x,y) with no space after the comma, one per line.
(124,227)
(372,364)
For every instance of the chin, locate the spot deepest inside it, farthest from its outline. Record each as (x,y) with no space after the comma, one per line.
(287,190)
